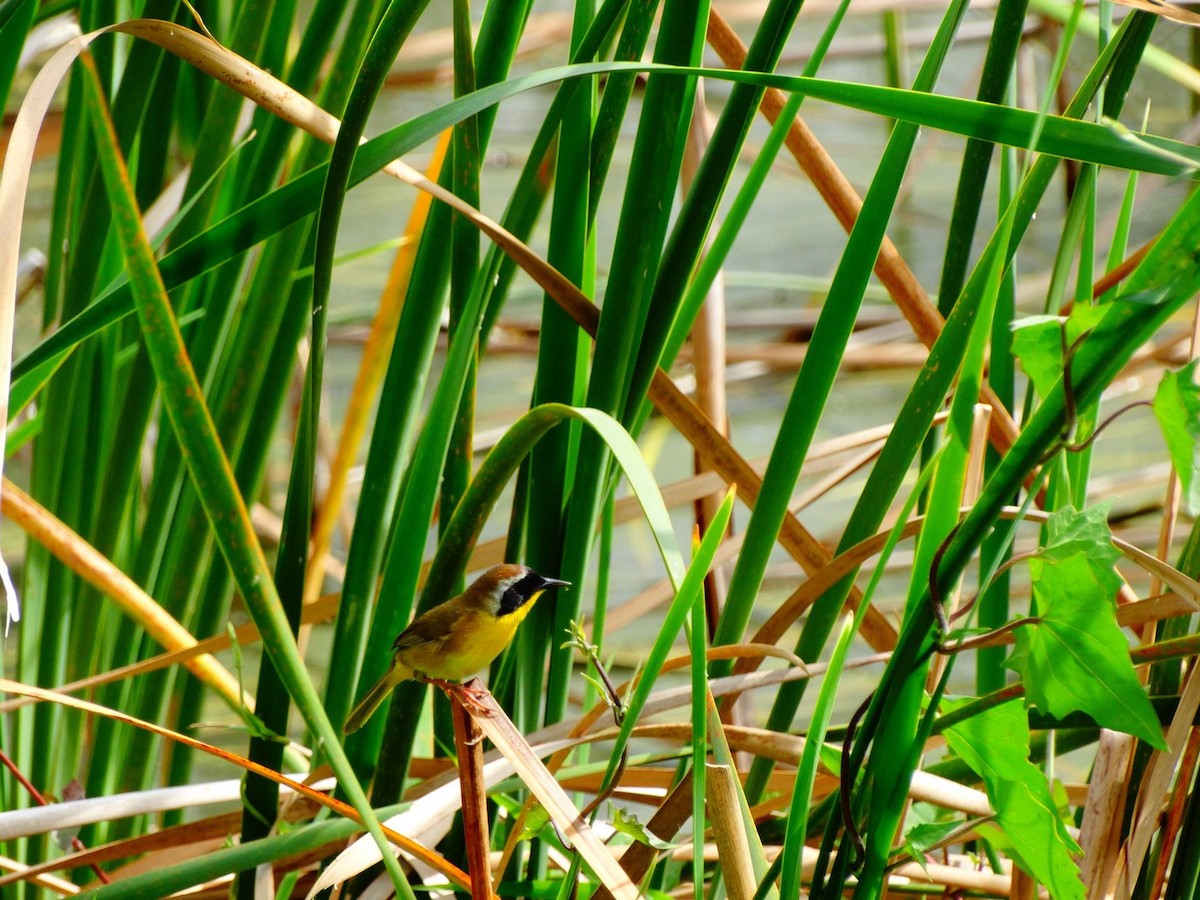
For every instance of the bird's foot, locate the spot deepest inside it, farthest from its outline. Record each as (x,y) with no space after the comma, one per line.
(472,695)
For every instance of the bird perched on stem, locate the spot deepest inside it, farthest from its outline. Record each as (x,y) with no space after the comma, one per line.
(458,638)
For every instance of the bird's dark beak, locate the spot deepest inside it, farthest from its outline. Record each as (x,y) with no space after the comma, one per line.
(553,583)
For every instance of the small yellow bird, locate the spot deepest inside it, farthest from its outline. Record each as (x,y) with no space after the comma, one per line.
(458,638)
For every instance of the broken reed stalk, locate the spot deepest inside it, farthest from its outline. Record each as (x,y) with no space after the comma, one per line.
(468,742)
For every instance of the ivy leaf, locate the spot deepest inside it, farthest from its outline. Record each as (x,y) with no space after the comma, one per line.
(1069,532)
(1177,408)
(920,839)
(1076,657)
(536,822)
(1037,343)
(995,744)
(627,824)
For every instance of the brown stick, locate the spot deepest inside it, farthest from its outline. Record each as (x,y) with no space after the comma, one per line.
(468,741)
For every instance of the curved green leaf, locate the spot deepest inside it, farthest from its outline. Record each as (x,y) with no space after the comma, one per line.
(500,465)
(1076,657)
(1177,407)
(995,744)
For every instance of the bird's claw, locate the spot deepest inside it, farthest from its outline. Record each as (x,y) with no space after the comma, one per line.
(470,695)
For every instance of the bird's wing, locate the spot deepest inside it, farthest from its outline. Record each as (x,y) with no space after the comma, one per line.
(410,639)
(435,627)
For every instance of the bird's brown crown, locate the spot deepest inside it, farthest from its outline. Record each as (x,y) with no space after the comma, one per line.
(507,587)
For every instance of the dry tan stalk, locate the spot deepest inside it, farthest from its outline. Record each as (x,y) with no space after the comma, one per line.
(806,594)
(14,184)
(788,357)
(1023,887)
(51,882)
(1153,609)
(662,592)
(75,814)
(980,428)
(664,824)
(659,701)
(468,741)
(962,876)
(709,350)
(436,799)
(1187,589)
(426,56)
(787,749)
(214,827)
(798,323)
(655,782)
(561,737)
(737,651)
(1165,10)
(957,877)
(859,355)
(169,857)
(98,571)
(512,744)
(1174,814)
(793,536)
(1111,279)
(687,490)
(1103,813)
(156,842)
(729,830)
(949,794)
(268,525)
(1153,790)
(409,846)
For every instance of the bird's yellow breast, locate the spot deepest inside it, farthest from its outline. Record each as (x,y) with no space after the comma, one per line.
(465,645)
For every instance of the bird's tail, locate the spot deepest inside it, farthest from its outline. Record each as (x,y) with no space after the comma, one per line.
(395,674)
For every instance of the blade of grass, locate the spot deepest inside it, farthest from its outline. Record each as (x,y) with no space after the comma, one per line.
(1169,271)
(923,401)
(816,374)
(210,469)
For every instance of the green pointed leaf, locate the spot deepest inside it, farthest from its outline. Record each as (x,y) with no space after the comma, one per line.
(920,839)
(995,744)
(627,824)
(1177,406)
(1069,532)
(536,822)
(1037,343)
(1076,658)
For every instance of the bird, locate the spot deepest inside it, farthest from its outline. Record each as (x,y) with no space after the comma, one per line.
(458,638)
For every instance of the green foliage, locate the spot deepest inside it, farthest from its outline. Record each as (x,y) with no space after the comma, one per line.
(1177,407)
(995,744)
(1075,657)
(1038,342)
(627,824)
(923,837)
(177,376)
